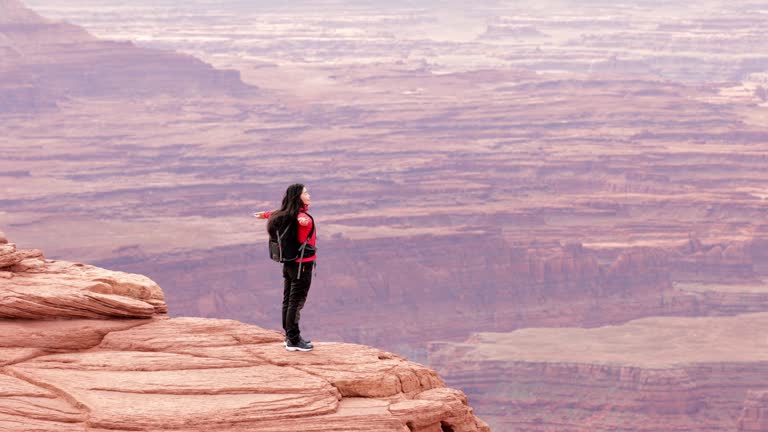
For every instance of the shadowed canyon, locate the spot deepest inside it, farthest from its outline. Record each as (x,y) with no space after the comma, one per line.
(529,199)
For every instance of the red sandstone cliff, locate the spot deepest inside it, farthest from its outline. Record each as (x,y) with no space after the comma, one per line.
(130,367)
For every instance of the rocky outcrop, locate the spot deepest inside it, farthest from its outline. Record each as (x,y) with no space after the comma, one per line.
(135,369)
(36,288)
(652,374)
(728,260)
(196,374)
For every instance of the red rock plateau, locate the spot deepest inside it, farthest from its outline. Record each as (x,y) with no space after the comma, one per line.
(652,374)
(564,164)
(88,349)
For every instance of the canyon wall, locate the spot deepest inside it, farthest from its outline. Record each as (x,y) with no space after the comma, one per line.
(490,283)
(652,374)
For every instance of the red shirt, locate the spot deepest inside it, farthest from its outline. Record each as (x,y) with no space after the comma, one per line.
(305,226)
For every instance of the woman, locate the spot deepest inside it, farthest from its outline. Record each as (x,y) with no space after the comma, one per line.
(297,275)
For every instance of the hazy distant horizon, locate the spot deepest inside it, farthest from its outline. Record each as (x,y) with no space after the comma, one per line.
(666,39)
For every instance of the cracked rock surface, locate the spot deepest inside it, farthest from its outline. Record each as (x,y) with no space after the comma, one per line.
(87,349)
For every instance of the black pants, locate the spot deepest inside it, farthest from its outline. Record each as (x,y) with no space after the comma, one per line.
(295,290)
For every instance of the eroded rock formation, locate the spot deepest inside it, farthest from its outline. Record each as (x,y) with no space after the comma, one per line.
(36,288)
(131,367)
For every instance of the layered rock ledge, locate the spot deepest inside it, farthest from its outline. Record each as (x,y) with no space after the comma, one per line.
(132,368)
(36,288)
(651,374)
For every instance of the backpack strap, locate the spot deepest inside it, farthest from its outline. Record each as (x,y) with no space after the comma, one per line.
(304,245)
(280,240)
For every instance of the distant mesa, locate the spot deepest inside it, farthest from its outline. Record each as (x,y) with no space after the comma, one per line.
(14,12)
(44,62)
(23,31)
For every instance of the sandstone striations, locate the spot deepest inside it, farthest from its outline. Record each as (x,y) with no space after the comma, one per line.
(652,374)
(36,288)
(135,369)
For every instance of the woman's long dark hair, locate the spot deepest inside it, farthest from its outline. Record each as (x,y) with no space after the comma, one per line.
(289,211)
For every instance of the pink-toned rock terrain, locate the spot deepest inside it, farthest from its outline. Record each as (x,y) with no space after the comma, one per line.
(652,374)
(568,164)
(88,349)
(36,288)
